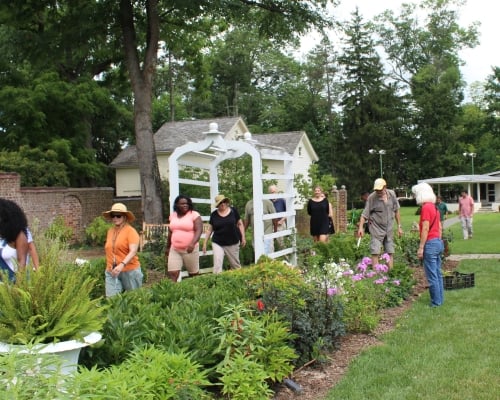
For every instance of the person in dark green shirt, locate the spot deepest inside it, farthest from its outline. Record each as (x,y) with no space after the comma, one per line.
(442,207)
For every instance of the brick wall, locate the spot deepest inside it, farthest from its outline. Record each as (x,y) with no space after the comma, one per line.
(77,206)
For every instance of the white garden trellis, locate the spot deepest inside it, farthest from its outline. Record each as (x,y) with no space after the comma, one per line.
(208,153)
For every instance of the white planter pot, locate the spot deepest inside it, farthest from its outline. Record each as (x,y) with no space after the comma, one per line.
(68,351)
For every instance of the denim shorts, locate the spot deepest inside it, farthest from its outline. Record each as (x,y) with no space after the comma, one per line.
(128,280)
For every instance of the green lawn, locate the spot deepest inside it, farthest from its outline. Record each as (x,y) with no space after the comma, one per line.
(486,228)
(446,353)
(486,232)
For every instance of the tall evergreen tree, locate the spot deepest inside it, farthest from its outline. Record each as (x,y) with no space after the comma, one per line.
(371,111)
(424,57)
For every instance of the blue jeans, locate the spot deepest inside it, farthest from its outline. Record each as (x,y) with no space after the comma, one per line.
(432,266)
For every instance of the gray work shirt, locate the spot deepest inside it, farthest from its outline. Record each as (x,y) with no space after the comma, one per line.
(381,214)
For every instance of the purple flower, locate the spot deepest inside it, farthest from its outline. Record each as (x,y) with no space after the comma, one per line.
(381,268)
(362,267)
(396,282)
(331,291)
(366,260)
(386,257)
(357,277)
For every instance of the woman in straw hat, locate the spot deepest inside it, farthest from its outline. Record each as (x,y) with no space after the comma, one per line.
(228,232)
(123,271)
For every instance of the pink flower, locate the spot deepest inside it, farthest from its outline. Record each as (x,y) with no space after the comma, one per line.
(367,260)
(381,268)
(396,282)
(380,281)
(362,267)
(331,291)
(371,274)
(386,257)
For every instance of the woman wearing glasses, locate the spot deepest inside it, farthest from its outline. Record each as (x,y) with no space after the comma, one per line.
(123,271)
(184,232)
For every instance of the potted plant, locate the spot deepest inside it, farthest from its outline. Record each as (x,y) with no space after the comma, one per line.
(50,310)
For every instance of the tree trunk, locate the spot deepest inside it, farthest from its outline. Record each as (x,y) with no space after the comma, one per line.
(146,157)
(141,81)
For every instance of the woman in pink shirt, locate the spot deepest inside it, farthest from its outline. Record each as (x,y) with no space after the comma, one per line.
(184,232)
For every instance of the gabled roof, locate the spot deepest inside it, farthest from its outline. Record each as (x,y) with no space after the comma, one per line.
(174,134)
(287,140)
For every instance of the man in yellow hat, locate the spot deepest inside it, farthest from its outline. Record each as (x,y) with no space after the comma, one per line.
(382,209)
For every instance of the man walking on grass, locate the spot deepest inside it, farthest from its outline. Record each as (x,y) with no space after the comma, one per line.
(466,210)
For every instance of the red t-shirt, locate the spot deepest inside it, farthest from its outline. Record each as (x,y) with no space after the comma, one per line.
(429,212)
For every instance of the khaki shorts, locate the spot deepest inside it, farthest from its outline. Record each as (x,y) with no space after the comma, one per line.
(376,245)
(177,259)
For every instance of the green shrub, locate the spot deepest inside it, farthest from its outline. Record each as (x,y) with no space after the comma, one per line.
(243,378)
(151,260)
(310,313)
(59,231)
(361,308)
(406,249)
(95,269)
(27,376)
(258,336)
(149,373)
(96,231)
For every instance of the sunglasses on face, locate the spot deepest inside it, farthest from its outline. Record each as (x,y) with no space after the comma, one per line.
(116,215)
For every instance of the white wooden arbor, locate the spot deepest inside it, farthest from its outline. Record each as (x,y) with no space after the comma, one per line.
(208,153)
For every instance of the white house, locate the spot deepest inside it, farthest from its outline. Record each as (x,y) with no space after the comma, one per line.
(174,134)
(485,189)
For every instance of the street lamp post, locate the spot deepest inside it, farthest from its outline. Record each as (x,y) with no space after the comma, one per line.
(471,155)
(380,154)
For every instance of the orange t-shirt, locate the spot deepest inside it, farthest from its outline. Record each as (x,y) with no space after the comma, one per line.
(117,247)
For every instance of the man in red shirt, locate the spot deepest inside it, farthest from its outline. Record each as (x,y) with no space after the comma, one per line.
(466,210)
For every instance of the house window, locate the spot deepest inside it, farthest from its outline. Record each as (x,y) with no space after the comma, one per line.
(300,151)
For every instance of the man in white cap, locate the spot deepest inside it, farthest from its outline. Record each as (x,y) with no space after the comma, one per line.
(381,209)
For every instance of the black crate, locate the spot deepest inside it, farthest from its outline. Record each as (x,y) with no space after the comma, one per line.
(458,280)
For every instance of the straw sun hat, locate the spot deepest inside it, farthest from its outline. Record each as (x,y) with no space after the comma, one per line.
(119,208)
(219,199)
